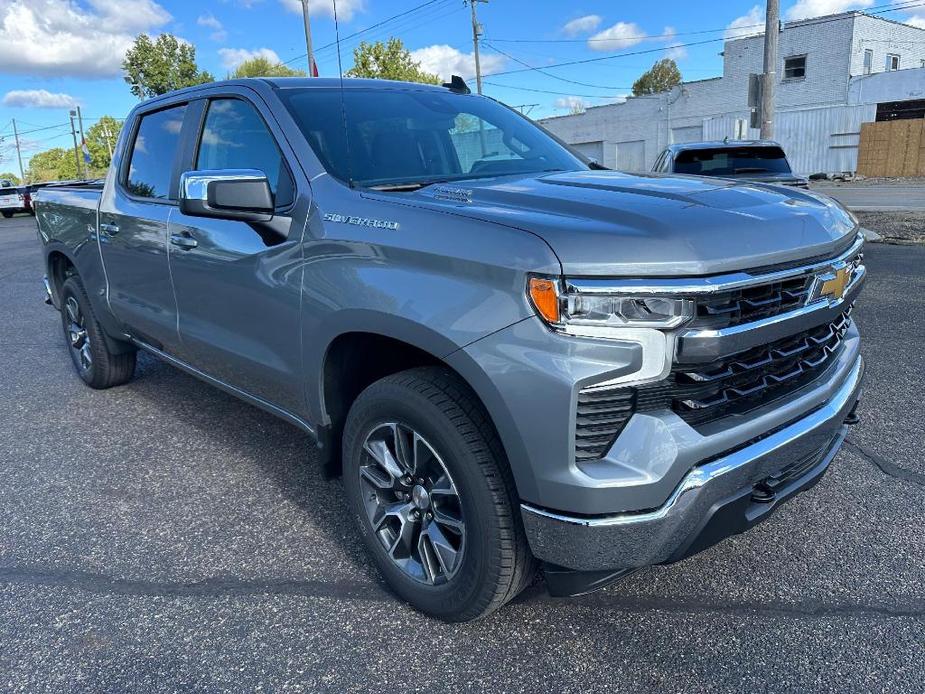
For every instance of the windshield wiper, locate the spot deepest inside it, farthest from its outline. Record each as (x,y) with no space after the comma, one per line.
(752,169)
(399,187)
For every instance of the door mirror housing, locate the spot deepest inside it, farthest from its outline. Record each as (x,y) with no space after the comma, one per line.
(239,194)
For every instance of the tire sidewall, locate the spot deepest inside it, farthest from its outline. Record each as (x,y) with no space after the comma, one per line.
(389,402)
(72,287)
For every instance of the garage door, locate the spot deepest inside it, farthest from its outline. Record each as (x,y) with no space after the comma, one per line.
(592,150)
(631,155)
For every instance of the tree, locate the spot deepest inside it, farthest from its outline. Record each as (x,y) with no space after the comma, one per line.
(52,165)
(388,61)
(11,177)
(659,78)
(161,66)
(261,67)
(101,140)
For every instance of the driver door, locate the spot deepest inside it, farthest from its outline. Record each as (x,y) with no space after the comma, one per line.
(238,284)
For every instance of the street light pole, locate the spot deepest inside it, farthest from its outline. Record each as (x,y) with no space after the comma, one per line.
(312,68)
(769,79)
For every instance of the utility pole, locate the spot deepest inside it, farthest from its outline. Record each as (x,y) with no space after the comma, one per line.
(106,136)
(74,135)
(476,33)
(22,175)
(769,80)
(312,68)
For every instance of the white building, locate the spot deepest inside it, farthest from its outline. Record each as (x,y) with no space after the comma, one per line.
(833,73)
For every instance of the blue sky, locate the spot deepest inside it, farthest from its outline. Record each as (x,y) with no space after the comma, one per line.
(55,53)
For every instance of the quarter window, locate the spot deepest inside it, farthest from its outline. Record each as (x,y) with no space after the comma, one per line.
(235,137)
(153,153)
(795,67)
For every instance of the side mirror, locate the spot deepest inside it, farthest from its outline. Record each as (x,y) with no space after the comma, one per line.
(240,194)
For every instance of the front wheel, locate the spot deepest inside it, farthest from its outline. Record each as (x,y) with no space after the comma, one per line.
(95,363)
(7,213)
(433,496)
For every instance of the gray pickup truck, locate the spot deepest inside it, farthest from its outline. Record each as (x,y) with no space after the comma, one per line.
(515,361)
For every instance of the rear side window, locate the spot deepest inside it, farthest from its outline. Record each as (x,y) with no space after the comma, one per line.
(235,137)
(154,152)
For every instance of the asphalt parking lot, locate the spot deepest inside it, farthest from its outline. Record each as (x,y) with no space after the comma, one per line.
(163,536)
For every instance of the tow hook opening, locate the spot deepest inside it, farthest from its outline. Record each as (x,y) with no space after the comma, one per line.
(763,494)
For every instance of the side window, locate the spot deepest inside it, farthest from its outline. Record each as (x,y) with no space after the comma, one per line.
(154,152)
(235,137)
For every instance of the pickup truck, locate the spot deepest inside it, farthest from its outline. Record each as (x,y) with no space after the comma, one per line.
(518,364)
(762,161)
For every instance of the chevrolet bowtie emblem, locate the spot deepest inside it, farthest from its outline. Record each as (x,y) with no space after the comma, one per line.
(832,284)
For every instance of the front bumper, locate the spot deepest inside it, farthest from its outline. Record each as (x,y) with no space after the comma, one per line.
(714,500)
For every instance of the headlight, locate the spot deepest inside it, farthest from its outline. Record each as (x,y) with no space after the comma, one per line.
(573,307)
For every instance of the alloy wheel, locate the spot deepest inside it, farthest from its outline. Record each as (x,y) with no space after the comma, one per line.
(77,334)
(412,503)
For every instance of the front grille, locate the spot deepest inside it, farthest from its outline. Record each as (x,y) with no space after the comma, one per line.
(749,304)
(744,381)
(706,393)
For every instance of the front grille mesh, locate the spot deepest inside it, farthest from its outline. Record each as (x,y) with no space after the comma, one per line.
(706,393)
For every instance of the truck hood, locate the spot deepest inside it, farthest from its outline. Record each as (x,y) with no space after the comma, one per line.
(609,223)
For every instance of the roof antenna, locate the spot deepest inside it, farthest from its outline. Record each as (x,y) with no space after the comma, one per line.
(458,85)
(343,104)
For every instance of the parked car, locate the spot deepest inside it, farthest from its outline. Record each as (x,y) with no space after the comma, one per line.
(762,161)
(515,362)
(15,199)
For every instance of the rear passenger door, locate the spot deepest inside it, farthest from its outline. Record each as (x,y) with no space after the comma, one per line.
(134,212)
(238,284)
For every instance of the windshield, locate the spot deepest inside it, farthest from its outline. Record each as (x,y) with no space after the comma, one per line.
(732,161)
(420,136)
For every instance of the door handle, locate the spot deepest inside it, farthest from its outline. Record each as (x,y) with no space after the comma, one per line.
(111,229)
(184,241)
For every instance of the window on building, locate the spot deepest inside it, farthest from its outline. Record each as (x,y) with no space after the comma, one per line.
(795,67)
(868,61)
(892,62)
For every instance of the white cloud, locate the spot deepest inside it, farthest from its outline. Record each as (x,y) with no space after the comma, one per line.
(746,25)
(209,21)
(817,8)
(232,57)
(916,20)
(325,8)
(574,104)
(675,50)
(38,98)
(65,39)
(618,37)
(446,61)
(582,25)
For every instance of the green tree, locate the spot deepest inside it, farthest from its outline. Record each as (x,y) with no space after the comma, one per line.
(52,165)
(261,67)
(659,78)
(388,61)
(11,177)
(159,66)
(101,140)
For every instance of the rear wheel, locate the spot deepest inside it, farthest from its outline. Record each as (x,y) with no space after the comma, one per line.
(7,213)
(433,496)
(95,363)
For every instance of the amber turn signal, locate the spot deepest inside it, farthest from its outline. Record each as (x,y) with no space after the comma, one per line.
(545,298)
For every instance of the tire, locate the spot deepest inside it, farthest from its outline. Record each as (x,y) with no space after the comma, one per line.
(7,213)
(454,442)
(94,362)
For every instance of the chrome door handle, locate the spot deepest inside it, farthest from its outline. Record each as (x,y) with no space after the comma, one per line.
(111,229)
(183,241)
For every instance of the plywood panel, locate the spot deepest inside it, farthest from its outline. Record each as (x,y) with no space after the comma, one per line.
(892,148)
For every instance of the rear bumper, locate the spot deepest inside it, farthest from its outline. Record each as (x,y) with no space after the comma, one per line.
(719,498)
